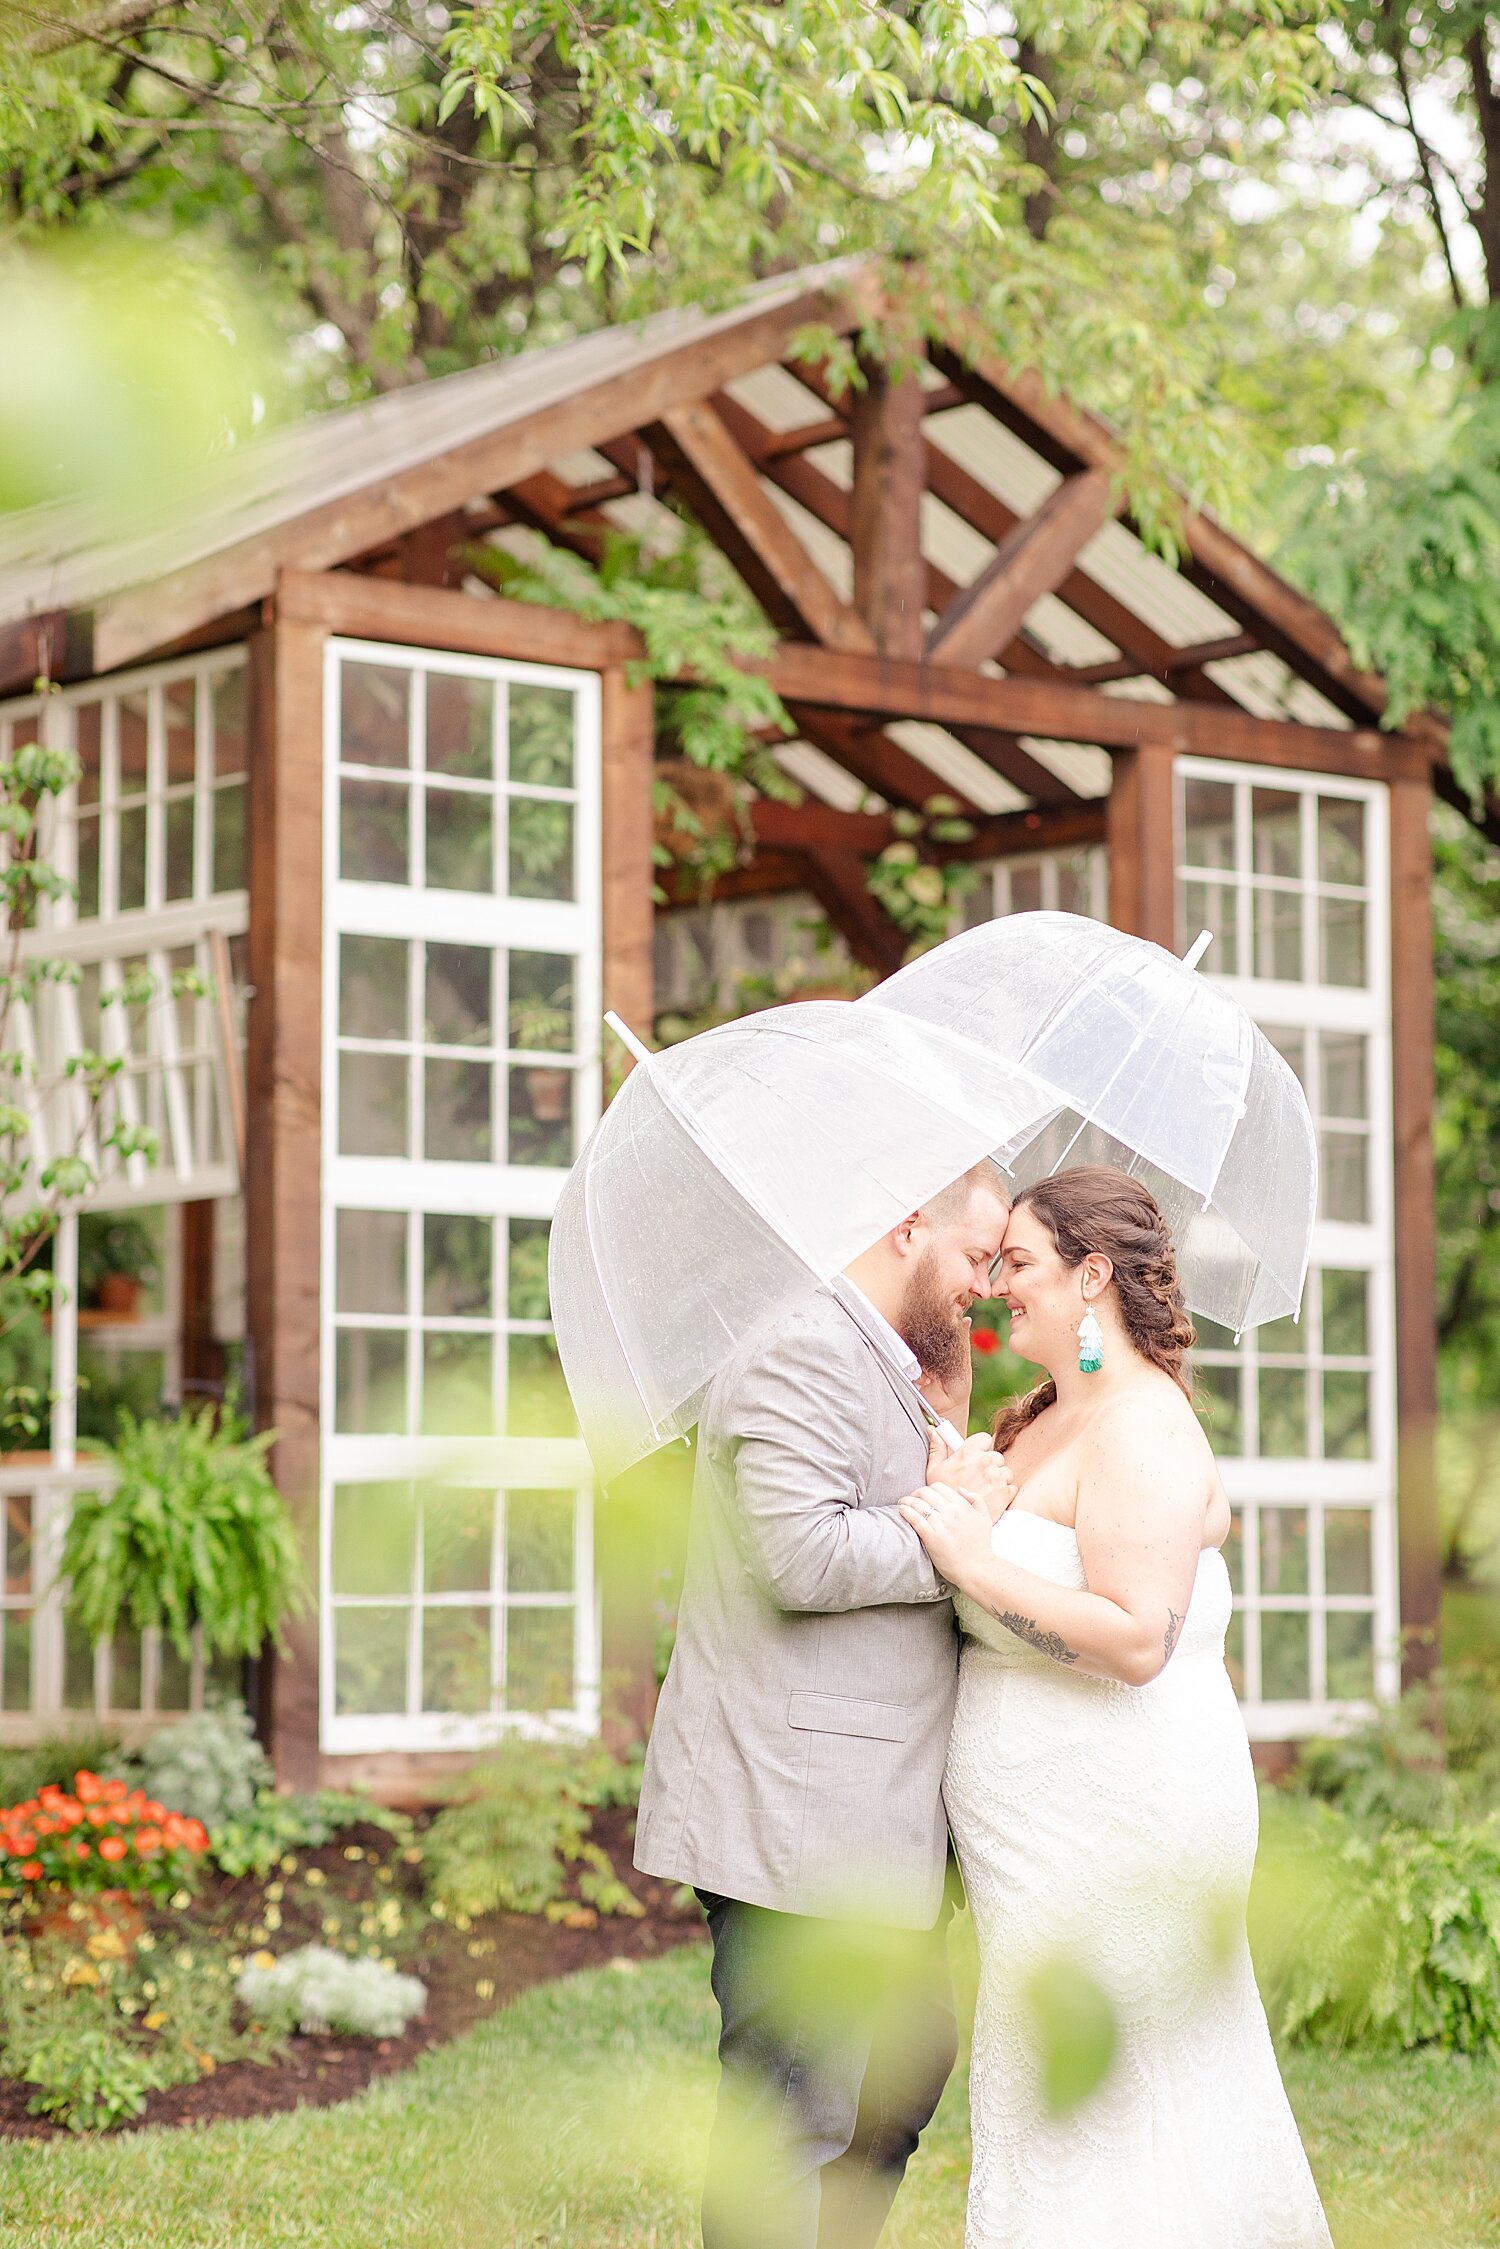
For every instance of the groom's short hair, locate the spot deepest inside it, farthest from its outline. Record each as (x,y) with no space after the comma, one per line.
(950,1205)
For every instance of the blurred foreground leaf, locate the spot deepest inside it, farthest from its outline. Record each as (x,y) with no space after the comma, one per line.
(1075,2031)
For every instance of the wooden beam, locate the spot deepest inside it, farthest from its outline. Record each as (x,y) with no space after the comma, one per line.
(1010,758)
(1413,1098)
(51,645)
(725,493)
(871,756)
(628,744)
(1031,561)
(1140,829)
(767,875)
(837,880)
(891,689)
(1182,660)
(473,624)
(521,439)
(809,826)
(885,516)
(283,1222)
(829,431)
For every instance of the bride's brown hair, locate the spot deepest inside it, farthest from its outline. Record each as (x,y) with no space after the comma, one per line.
(1098,1211)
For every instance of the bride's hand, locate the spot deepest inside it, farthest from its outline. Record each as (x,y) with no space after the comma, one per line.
(955,1528)
(976,1469)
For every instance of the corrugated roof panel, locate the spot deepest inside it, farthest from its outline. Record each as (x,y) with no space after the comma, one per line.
(1175,610)
(1067,637)
(959,551)
(827,549)
(1266,687)
(822,777)
(952,762)
(776,398)
(990,452)
(836,460)
(1083,766)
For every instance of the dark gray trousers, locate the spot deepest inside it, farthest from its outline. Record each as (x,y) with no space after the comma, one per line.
(835,2048)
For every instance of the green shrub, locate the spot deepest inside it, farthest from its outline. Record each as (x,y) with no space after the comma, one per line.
(520,1827)
(209,1764)
(88,2076)
(315,1989)
(251,1841)
(1431,1760)
(54,1761)
(1389,1938)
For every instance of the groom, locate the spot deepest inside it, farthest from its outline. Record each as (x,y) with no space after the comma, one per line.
(795,1767)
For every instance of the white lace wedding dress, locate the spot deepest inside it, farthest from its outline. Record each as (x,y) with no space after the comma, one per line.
(1117,1825)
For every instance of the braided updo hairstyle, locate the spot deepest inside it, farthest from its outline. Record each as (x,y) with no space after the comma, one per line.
(1102,1212)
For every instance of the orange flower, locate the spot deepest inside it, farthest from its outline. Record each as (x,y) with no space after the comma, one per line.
(148,1841)
(153,1811)
(89,1786)
(114,1792)
(31,1870)
(112,1847)
(197,1836)
(26,1842)
(82,1850)
(99,1815)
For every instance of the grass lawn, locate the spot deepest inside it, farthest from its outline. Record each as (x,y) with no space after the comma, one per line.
(577,2117)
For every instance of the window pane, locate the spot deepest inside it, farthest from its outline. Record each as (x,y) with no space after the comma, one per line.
(458,1385)
(1343,1176)
(1074,890)
(179,820)
(88,866)
(1208,823)
(373,981)
(541,1002)
(374,831)
(1234,1549)
(458,1112)
(1278,935)
(459,1009)
(369,1670)
(1284,1674)
(373,727)
(1291,1044)
(1346,1314)
(133,709)
(1213,906)
(179,709)
(1216,1395)
(541,1116)
(456,1659)
(458,1531)
(458,1266)
(1341,923)
(1282,1339)
(229,837)
(87,729)
(541,848)
(539,1659)
(371,1261)
(460,841)
(230,755)
(460,726)
(537,1401)
(1283,1550)
(370,1382)
(541,735)
(374,1538)
(1341,840)
(132,834)
(174,1677)
(528,1298)
(15,1662)
(1234,1651)
(539,1542)
(1344,1091)
(1276,832)
(125,1672)
(78,1667)
(1025,889)
(1351,1657)
(1346,1416)
(1283,1413)
(18,1542)
(372,1104)
(1346,1550)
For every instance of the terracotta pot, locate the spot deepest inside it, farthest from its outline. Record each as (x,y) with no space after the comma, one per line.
(120,1293)
(105,1924)
(548,1090)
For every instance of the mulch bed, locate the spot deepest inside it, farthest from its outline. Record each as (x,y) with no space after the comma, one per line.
(469,1974)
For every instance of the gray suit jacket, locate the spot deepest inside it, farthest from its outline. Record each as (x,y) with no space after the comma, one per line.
(797,1756)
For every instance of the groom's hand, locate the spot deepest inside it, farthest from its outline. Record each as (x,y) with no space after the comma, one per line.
(976,1470)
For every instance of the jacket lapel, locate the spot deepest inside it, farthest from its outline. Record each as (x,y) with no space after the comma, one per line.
(913,1404)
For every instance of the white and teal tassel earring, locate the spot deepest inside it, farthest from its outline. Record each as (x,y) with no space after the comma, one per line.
(1090,1343)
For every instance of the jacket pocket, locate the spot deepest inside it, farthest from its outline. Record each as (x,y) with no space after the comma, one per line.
(841,1714)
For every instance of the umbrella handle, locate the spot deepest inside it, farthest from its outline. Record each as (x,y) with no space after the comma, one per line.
(626,1036)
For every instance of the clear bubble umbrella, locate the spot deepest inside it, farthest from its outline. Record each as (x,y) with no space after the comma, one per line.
(736,1171)
(1158,1072)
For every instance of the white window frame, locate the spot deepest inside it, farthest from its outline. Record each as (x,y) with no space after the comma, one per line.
(1326,1485)
(499,1464)
(991,897)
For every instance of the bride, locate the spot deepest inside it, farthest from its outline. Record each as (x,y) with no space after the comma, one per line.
(1099,1784)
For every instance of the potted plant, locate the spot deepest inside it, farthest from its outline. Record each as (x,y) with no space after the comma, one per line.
(191,1533)
(116,1258)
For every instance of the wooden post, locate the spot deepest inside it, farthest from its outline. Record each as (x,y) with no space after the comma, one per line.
(284,1172)
(1140,830)
(890,578)
(202,1355)
(1412,1100)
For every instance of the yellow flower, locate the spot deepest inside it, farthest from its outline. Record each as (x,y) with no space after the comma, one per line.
(154,2020)
(316,1878)
(263,1959)
(79,1971)
(484,1989)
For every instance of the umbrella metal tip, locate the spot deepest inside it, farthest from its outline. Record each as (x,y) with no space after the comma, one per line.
(1198,948)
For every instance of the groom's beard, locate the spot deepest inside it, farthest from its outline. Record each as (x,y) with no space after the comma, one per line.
(931,1323)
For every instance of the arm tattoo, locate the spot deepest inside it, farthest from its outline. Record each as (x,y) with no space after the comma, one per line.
(1048,1643)
(1169,1637)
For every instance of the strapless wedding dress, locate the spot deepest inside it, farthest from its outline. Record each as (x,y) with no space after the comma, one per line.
(1116,1826)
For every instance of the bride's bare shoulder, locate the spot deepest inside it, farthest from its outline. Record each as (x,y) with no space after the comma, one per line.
(1154,1417)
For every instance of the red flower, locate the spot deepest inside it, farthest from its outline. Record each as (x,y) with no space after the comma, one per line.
(984,1340)
(89,1786)
(197,1836)
(114,1792)
(99,1815)
(26,1842)
(148,1841)
(112,1847)
(31,1871)
(82,1850)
